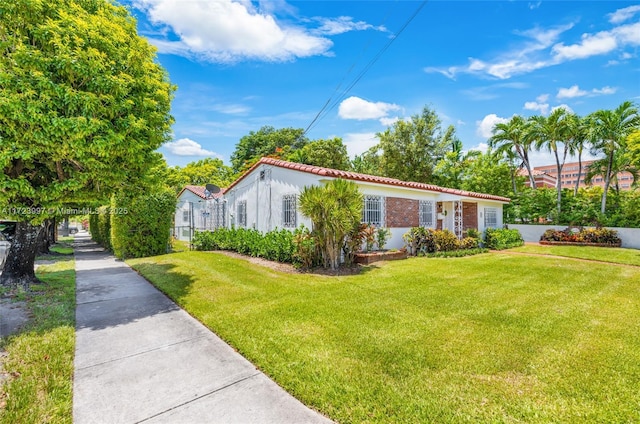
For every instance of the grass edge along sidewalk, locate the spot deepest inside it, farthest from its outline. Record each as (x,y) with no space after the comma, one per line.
(38,361)
(487,338)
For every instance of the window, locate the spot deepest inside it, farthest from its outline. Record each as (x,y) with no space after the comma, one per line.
(186,232)
(490,218)
(426,213)
(289,211)
(372,211)
(186,215)
(242,213)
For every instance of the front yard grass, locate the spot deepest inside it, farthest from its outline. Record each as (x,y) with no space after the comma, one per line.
(39,359)
(488,338)
(593,253)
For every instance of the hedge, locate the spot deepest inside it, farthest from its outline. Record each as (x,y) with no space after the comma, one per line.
(141,225)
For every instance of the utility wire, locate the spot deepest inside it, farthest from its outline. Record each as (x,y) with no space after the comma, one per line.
(328,106)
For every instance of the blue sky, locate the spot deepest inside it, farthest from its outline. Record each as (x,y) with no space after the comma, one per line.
(240,65)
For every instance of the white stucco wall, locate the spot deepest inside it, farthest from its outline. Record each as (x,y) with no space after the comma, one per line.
(186,201)
(264,199)
(531,233)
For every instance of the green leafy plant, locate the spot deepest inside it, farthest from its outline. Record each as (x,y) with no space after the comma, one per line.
(502,238)
(369,237)
(382,236)
(585,235)
(445,240)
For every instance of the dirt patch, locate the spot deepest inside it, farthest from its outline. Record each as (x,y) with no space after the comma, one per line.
(13,316)
(290,269)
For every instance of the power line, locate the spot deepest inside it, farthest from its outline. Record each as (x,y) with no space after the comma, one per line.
(328,106)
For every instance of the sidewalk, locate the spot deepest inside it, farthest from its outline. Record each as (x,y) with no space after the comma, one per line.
(140,358)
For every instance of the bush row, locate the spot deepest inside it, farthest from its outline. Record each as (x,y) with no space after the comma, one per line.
(422,241)
(275,245)
(585,235)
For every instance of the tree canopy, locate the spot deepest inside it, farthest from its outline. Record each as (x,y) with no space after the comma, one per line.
(83,106)
(267,141)
(329,153)
(411,149)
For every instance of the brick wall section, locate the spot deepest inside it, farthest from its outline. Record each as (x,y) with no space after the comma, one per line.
(469,216)
(402,212)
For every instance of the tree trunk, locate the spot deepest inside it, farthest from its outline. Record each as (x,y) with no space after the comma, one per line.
(607,182)
(18,269)
(575,190)
(47,237)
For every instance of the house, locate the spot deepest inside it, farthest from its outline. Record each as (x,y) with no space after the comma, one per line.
(266,197)
(198,210)
(541,178)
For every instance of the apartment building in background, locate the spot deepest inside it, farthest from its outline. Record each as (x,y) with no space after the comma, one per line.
(570,175)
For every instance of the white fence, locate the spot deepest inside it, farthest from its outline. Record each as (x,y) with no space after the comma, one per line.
(630,236)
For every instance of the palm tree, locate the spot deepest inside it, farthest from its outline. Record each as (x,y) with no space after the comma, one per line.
(334,209)
(510,137)
(579,133)
(551,132)
(610,130)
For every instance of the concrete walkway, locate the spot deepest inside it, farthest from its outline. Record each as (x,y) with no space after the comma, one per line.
(140,358)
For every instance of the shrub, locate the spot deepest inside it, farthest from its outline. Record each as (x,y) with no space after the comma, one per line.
(469,243)
(382,236)
(305,252)
(499,239)
(420,241)
(445,240)
(141,224)
(587,235)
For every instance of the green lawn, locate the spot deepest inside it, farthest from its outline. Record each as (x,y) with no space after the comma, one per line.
(489,338)
(40,358)
(604,254)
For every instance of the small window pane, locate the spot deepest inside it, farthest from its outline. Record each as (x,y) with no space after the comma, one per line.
(289,211)
(372,211)
(426,213)
(490,217)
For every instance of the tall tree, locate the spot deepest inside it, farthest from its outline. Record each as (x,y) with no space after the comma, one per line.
(204,171)
(368,162)
(267,141)
(610,131)
(451,170)
(329,153)
(552,133)
(489,173)
(633,148)
(510,138)
(411,149)
(83,107)
(579,135)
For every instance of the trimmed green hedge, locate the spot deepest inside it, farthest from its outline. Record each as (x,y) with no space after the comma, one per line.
(275,245)
(502,238)
(141,225)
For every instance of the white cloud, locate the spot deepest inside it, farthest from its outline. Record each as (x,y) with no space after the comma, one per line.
(358,143)
(342,24)
(360,109)
(590,45)
(563,106)
(542,48)
(622,15)
(605,90)
(389,121)
(481,147)
(542,98)
(228,31)
(485,127)
(575,91)
(571,92)
(543,108)
(188,147)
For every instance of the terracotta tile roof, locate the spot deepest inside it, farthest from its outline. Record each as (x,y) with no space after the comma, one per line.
(199,191)
(354,176)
